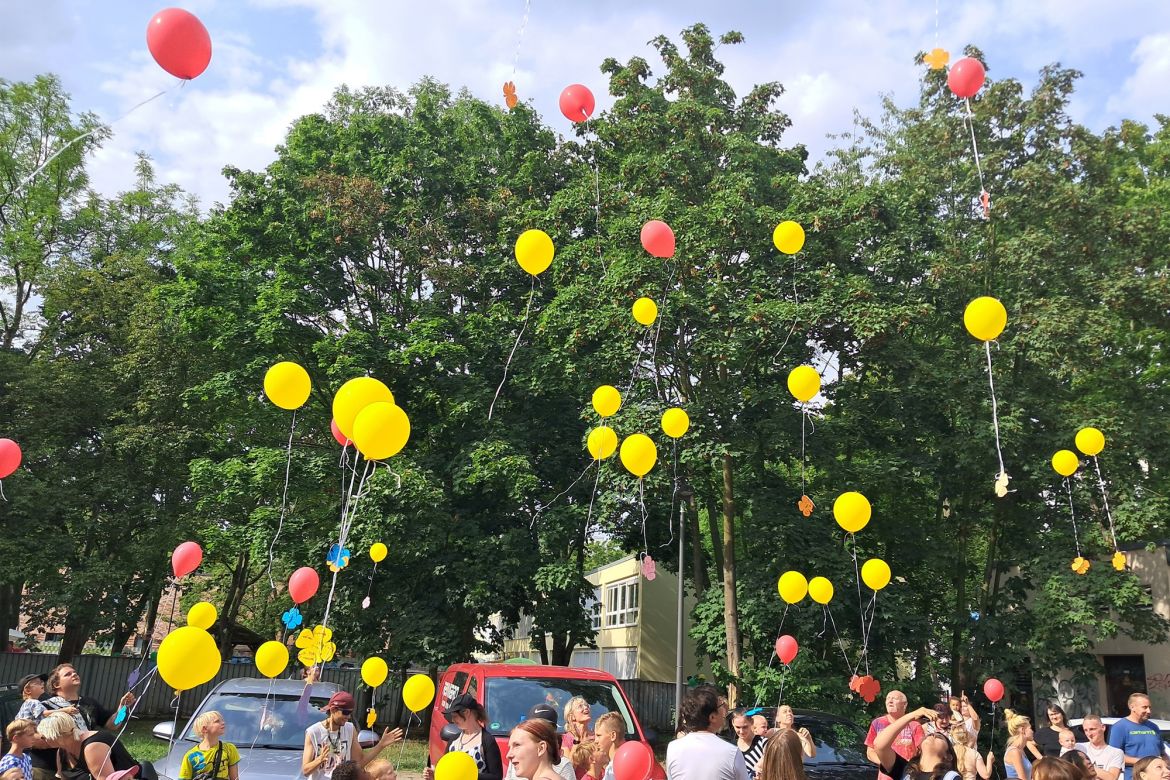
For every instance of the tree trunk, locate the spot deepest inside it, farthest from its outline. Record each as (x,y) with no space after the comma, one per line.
(698,565)
(152,619)
(76,635)
(713,530)
(562,650)
(9,610)
(537,640)
(730,609)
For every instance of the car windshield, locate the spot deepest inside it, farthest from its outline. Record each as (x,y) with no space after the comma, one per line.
(838,742)
(256,720)
(508,699)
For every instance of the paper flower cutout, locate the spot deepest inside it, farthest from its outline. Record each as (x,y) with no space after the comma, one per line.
(649,568)
(371,716)
(120,718)
(937,59)
(806,506)
(865,686)
(315,646)
(366,603)
(510,94)
(292,619)
(1119,560)
(337,558)
(1001,484)
(132,678)
(1080,565)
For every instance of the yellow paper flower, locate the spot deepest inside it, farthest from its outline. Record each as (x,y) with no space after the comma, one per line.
(1080,565)
(315,646)
(1119,560)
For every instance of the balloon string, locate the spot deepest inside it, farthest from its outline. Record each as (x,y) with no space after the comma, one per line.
(803,459)
(840,642)
(24,182)
(860,606)
(540,508)
(171,740)
(984,196)
(772,655)
(868,629)
(2,496)
(592,496)
(673,496)
(642,505)
(405,736)
(130,712)
(994,409)
(654,341)
(527,309)
(260,724)
(795,317)
(520,38)
(1105,499)
(283,500)
(1073,513)
(351,506)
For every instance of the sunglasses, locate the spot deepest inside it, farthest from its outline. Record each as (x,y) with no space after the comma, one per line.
(346,713)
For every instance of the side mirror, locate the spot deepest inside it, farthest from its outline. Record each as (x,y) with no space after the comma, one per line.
(651,737)
(450,732)
(367,738)
(164,731)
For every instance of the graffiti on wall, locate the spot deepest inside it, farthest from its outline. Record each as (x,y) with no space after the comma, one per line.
(1076,696)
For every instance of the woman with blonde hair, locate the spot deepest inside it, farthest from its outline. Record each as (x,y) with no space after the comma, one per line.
(968,761)
(782,759)
(577,717)
(81,753)
(1016,762)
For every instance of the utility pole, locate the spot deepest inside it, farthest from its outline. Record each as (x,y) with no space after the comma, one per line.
(682,494)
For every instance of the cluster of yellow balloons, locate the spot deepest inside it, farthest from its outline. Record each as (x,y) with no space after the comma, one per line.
(366,414)
(852,511)
(793,587)
(418,692)
(985,318)
(534,251)
(188,657)
(638,452)
(287,385)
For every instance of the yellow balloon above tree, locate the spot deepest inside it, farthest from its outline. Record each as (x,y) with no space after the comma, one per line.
(852,511)
(534,251)
(1090,441)
(792,587)
(645,311)
(985,318)
(788,237)
(639,454)
(607,400)
(675,422)
(287,385)
(602,442)
(804,383)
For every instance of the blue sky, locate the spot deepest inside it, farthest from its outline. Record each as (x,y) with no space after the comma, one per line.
(275,60)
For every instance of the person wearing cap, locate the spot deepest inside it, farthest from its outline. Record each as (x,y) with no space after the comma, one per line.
(81,754)
(43,758)
(335,739)
(564,768)
(468,714)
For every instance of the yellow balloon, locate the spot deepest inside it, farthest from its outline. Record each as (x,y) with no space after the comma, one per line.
(202,615)
(188,657)
(788,237)
(374,671)
(638,454)
(875,573)
(820,590)
(418,692)
(675,422)
(804,382)
(1065,462)
(985,318)
(1090,441)
(378,552)
(456,765)
(271,658)
(534,251)
(381,430)
(355,395)
(607,400)
(852,511)
(792,586)
(602,442)
(287,385)
(645,311)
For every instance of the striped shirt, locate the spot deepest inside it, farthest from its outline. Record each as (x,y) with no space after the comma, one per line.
(752,755)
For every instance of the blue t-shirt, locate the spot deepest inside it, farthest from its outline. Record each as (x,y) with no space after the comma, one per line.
(1136,740)
(23,762)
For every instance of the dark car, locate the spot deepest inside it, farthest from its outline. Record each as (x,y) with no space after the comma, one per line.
(840,745)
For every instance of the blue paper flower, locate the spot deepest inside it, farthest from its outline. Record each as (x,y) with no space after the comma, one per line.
(292,618)
(337,558)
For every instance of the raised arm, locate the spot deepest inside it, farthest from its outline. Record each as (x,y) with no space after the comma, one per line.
(883,743)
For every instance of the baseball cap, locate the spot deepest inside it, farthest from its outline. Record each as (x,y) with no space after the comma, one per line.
(544,711)
(29,678)
(123,774)
(342,700)
(462,702)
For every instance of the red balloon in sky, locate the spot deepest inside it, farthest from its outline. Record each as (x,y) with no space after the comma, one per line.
(577,103)
(966,77)
(10,457)
(186,558)
(993,689)
(179,42)
(303,584)
(786,649)
(658,238)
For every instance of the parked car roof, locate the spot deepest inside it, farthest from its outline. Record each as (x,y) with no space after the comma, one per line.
(262,686)
(534,670)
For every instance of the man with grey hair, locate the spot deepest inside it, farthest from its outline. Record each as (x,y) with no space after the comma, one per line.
(1107,760)
(908,740)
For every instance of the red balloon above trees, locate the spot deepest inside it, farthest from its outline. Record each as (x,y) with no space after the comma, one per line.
(179,42)
(993,689)
(786,649)
(658,238)
(10,457)
(577,102)
(966,77)
(303,584)
(186,558)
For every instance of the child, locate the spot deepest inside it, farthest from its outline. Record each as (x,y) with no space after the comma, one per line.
(1068,741)
(211,759)
(15,765)
(611,733)
(588,760)
(379,769)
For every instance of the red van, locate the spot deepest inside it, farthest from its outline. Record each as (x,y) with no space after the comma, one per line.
(508,691)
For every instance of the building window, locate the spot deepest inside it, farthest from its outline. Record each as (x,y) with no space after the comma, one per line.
(593,606)
(621,604)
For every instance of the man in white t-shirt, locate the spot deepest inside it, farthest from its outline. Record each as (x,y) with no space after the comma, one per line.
(335,739)
(701,754)
(1108,761)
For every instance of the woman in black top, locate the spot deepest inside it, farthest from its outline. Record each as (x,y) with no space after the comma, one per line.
(1048,735)
(81,753)
(474,738)
(751,745)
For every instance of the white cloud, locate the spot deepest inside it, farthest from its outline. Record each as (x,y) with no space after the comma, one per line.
(1145,90)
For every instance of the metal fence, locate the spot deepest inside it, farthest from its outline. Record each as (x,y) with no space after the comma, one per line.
(654,704)
(104,678)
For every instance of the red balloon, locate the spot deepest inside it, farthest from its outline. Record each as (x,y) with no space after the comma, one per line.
(337,434)
(657,773)
(658,238)
(179,42)
(786,649)
(303,584)
(577,103)
(966,77)
(633,761)
(10,457)
(186,558)
(993,689)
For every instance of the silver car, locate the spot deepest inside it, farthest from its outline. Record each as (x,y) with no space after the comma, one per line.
(265,720)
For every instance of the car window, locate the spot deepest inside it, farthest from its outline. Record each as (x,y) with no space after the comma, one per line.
(508,699)
(837,741)
(256,720)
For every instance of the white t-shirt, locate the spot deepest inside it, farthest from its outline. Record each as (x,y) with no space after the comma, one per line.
(1104,757)
(340,747)
(564,769)
(702,755)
